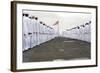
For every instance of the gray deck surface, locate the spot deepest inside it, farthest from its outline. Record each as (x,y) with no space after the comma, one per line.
(58,48)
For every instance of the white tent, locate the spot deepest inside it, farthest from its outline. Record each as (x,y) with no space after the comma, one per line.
(26,39)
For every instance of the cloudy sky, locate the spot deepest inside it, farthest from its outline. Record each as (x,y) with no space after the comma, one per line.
(66,20)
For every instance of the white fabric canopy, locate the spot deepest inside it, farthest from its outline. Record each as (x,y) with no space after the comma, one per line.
(26,40)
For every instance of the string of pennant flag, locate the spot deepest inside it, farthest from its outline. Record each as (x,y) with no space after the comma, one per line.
(82,32)
(36,32)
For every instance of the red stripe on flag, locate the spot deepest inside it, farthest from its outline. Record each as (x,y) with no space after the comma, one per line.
(56,23)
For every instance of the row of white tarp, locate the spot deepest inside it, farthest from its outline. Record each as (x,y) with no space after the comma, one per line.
(35,32)
(82,32)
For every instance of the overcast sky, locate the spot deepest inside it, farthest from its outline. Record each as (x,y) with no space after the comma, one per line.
(66,20)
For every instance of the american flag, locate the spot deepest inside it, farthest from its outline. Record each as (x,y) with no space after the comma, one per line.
(56,23)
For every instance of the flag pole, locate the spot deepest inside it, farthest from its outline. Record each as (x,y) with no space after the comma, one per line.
(58,30)
(57,23)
